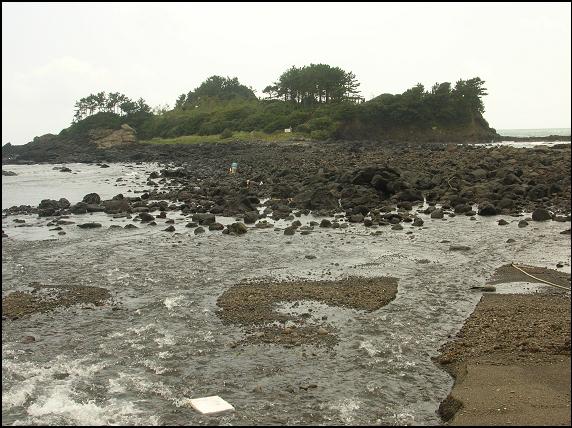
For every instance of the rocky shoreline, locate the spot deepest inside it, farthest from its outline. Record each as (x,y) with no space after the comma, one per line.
(365,180)
(381,187)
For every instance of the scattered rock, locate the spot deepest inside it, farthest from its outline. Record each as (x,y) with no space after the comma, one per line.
(459,248)
(90,225)
(356,218)
(28,339)
(145,217)
(289,231)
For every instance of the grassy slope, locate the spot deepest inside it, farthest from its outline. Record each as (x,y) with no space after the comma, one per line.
(237,136)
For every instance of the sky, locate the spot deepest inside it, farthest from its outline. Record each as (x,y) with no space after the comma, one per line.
(53,54)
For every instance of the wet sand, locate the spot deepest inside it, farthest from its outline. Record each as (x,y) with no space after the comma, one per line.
(253,305)
(511,362)
(45,298)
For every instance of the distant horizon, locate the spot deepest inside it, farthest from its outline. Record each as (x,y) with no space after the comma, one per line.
(533,129)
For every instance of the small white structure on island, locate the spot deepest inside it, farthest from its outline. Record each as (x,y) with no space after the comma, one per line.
(211,405)
(288,130)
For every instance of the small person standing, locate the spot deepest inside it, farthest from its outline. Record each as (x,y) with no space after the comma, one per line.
(234,168)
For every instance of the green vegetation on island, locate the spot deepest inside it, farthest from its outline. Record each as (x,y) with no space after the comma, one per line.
(318,102)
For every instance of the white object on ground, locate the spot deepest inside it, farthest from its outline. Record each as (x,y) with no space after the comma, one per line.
(211,405)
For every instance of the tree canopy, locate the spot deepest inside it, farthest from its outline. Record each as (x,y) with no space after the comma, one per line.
(221,88)
(112,102)
(319,100)
(315,84)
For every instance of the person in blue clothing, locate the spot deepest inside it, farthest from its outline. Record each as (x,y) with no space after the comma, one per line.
(234,168)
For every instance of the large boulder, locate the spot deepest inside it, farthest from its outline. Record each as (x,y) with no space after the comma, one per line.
(462,208)
(538,191)
(204,218)
(64,203)
(91,198)
(316,199)
(359,196)
(251,217)
(114,206)
(487,209)
(356,218)
(79,208)
(378,177)
(540,214)
(146,217)
(410,195)
(237,228)
(50,207)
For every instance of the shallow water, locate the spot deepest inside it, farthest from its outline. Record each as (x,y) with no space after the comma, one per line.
(526,144)
(36,182)
(165,344)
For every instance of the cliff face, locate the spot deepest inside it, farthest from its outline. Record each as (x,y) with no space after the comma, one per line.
(88,145)
(106,138)
(476,131)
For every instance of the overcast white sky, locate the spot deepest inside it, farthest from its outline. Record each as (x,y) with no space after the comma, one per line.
(54,54)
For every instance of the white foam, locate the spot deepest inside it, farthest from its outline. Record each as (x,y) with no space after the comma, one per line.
(346,409)
(139,330)
(154,366)
(37,376)
(164,354)
(18,395)
(171,302)
(168,339)
(59,407)
(59,403)
(370,349)
(404,419)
